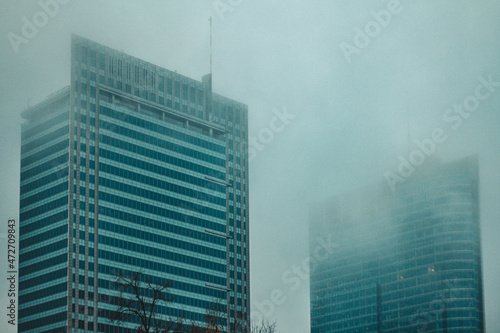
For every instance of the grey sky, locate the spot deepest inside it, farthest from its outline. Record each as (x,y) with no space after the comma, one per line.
(351,117)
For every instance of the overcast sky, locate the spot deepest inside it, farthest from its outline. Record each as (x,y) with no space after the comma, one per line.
(355,99)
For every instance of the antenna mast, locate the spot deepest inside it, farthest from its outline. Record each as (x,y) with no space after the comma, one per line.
(210,46)
(408,126)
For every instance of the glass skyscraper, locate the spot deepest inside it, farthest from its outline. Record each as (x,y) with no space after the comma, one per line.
(408,261)
(131,168)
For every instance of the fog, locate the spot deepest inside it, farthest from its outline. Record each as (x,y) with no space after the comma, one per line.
(351,103)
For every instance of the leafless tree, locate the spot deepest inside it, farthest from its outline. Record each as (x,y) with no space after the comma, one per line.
(139,300)
(240,324)
(265,326)
(216,316)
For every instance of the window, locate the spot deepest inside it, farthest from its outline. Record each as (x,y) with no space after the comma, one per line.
(128,74)
(102,61)
(169,86)
(120,69)
(161,85)
(136,75)
(144,76)
(177,87)
(111,67)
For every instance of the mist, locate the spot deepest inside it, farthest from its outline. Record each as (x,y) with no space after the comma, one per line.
(332,108)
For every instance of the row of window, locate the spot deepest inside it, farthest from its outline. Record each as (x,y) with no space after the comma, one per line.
(44,250)
(162,185)
(158,144)
(177,284)
(157,251)
(153,265)
(47,179)
(141,221)
(62,145)
(42,223)
(163,170)
(163,199)
(158,129)
(47,193)
(63,200)
(161,309)
(41,167)
(171,173)
(45,320)
(48,123)
(41,293)
(160,232)
(357,259)
(40,237)
(133,205)
(50,136)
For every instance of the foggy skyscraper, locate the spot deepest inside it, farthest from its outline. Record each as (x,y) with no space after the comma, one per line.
(131,168)
(411,68)
(408,261)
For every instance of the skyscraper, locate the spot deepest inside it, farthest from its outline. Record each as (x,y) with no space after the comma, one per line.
(131,168)
(408,261)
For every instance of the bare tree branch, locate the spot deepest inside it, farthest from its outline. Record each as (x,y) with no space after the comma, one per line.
(265,326)
(139,300)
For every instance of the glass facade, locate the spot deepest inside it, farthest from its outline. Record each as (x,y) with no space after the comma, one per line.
(43,257)
(132,168)
(408,261)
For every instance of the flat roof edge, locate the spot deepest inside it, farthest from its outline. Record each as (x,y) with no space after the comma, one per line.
(49,99)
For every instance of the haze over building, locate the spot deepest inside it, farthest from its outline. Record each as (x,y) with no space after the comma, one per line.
(407,261)
(131,168)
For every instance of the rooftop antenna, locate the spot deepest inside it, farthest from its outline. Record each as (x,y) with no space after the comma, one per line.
(210,46)
(408,126)
(207,82)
